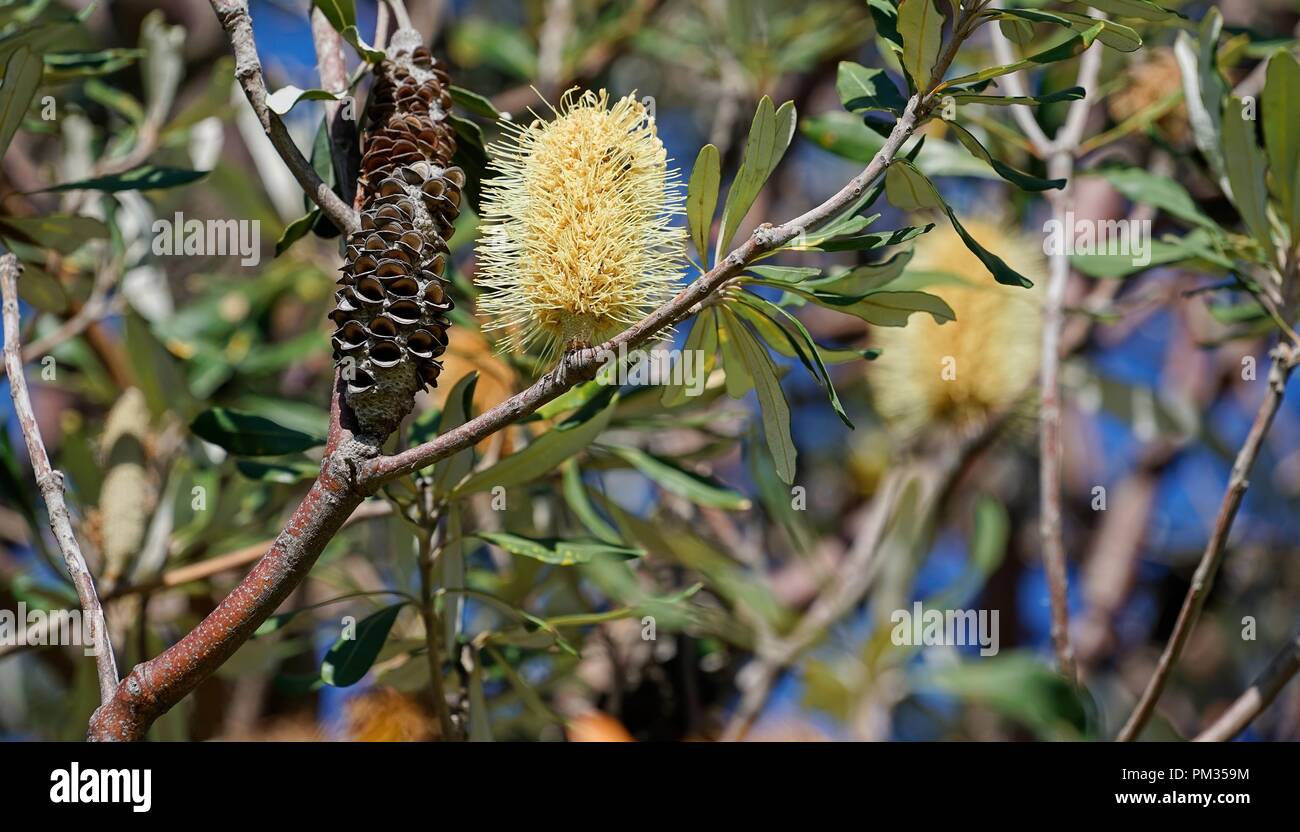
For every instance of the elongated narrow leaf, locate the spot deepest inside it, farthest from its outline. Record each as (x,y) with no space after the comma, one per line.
(456,412)
(340,13)
(247,435)
(556,551)
(863,279)
(1068,48)
(474,103)
(1281,102)
(702,341)
(143,178)
(1143,186)
(1020,179)
(769,136)
(800,341)
(575,494)
(921,26)
(885,15)
(451,569)
(349,659)
(1246,165)
(862,89)
(702,198)
(296,230)
(62,232)
(771,398)
(23,73)
(997,267)
(909,190)
(1141,9)
(1068,94)
(697,488)
(1203,90)
(545,452)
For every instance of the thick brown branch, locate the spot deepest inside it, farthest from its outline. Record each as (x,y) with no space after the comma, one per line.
(234,18)
(1284,359)
(50,483)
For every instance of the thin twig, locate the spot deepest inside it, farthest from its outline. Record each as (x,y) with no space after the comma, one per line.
(1257,697)
(234,18)
(1284,360)
(1061,153)
(50,483)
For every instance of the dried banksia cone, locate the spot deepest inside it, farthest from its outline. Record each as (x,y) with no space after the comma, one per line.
(392,298)
(577,235)
(955,376)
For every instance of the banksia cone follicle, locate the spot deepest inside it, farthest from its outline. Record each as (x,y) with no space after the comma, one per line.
(578,240)
(392,298)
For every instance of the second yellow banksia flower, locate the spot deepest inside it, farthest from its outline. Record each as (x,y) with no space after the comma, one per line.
(578,240)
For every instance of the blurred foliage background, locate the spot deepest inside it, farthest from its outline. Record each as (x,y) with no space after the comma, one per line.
(186,402)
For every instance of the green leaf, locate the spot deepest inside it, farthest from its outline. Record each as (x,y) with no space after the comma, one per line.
(1068,94)
(1142,186)
(866,242)
(1018,686)
(143,178)
(785,274)
(699,489)
(340,13)
(863,279)
(286,98)
(703,339)
(844,135)
(23,73)
(800,343)
(769,136)
(702,199)
(545,452)
(771,399)
(885,15)
(1246,165)
(296,230)
(863,89)
(575,494)
(1281,102)
(1192,246)
(1068,48)
(457,411)
(474,103)
(921,26)
(908,189)
(997,267)
(287,473)
(348,660)
(557,551)
(244,434)
(62,232)
(1142,9)
(738,379)
(1115,35)
(1020,179)
(1203,89)
(367,52)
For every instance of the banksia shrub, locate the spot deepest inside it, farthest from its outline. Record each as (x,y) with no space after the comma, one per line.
(577,238)
(954,376)
(392,297)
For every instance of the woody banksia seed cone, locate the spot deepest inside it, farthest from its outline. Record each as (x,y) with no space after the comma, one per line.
(392,298)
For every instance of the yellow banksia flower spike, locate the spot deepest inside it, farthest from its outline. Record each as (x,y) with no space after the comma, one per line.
(577,240)
(955,376)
